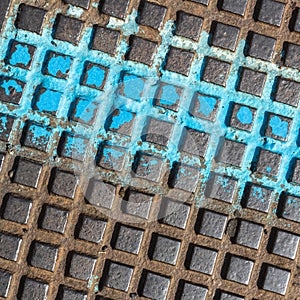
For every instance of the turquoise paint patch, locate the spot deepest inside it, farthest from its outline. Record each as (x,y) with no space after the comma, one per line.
(39,135)
(279,127)
(122,118)
(11,84)
(245,115)
(20,56)
(95,77)
(207,104)
(48,101)
(85,111)
(133,87)
(268,169)
(75,147)
(169,95)
(59,63)
(112,154)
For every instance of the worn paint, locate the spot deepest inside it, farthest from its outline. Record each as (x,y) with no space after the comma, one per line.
(279,127)
(245,115)
(20,56)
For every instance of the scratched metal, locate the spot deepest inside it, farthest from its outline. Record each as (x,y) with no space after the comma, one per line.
(149,149)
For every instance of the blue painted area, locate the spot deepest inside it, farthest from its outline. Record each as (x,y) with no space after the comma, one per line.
(279,127)
(48,101)
(20,56)
(39,136)
(169,95)
(121,119)
(75,147)
(268,169)
(245,115)
(59,63)
(112,154)
(225,183)
(10,85)
(133,87)
(258,193)
(207,104)
(85,111)
(95,77)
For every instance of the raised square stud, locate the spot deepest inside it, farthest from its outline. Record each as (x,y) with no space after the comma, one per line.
(112,158)
(141,50)
(188,25)
(36,136)
(127,238)
(72,146)
(94,76)
(132,86)
(230,152)
(174,213)
(269,11)
(168,96)
(256,197)
(16,209)
(164,249)
(278,126)
(274,279)
(137,204)
(260,46)
(30,18)
(268,162)
(100,194)
(291,55)
(148,167)
(41,100)
(194,142)
(154,286)
(27,172)
(53,218)
(221,295)
(11,90)
(211,224)
(215,71)
(289,208)
(67,29)
(5,280)
(179,61)
(221,187)
(235,6)
(188,291)
(80,3)
(6,125)
(184,177)
(84,111)
(63,183)
(204,107)
(237,269)
(105,40)
(241,117)
(295,178)
(201,259)
(117,276)
(9,246)
(283,243)
(151,14)
(252,82)
(287,91)
(115,8)
(90,229)
(57,65)
(65,293)
(42,256)
(20,54)
(224,36)
(157,131)
(121,121)
(32,289)
(248,234)
(80,266)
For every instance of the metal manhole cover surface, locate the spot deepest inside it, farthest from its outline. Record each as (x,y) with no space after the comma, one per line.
(149,149)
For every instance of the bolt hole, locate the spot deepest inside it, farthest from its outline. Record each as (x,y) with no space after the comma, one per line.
(133,295)
(265,231)
(104,248)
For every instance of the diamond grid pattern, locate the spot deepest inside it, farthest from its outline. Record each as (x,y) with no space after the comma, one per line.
(76,206)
